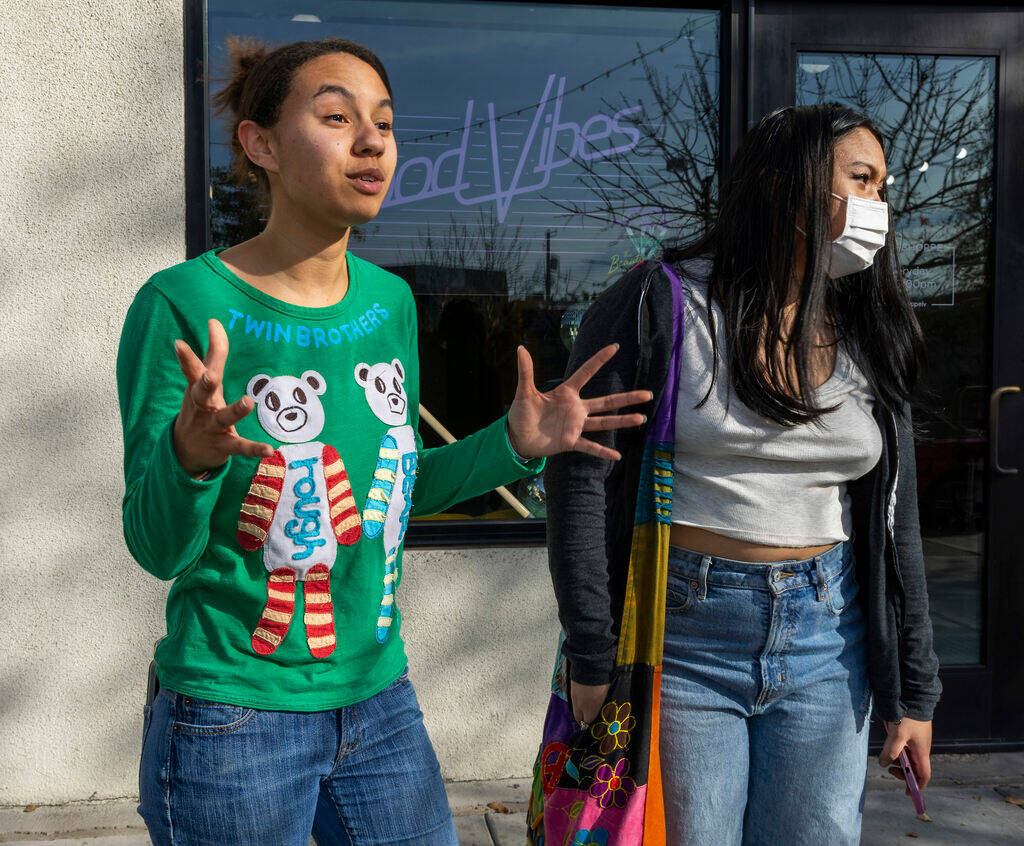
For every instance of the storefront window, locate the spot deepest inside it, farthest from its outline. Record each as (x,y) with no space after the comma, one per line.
(543,149)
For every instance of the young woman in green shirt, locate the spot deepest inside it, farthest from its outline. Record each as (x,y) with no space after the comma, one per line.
(285,705)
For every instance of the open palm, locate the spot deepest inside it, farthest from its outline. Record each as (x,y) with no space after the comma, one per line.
(542,424)
(204,430)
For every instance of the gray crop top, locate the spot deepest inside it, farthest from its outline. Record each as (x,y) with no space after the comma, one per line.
(745,477)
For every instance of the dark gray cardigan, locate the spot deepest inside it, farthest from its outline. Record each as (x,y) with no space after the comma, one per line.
(591,504)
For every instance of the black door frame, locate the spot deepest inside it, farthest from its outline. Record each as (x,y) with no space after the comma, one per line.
(982,705)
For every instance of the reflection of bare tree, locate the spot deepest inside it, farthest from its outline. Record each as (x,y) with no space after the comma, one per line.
(666,187)
(477,244)
(483,245)
(937,114)
(470,268)
(938,117)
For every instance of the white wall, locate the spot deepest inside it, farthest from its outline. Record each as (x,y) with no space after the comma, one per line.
(92,203)
(481,630)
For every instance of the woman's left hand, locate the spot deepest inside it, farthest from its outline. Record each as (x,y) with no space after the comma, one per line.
(916,736)
(542,424)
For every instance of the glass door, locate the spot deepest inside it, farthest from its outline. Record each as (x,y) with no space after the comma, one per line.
(944,89)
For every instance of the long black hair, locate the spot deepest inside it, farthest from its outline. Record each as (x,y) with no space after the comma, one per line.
(783,167)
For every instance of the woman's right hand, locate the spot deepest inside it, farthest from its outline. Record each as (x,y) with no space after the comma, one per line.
(587,700)
(204,431)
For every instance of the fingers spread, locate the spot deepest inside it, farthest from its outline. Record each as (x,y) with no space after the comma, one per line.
(188,361)
(217,352)
(204,392)
(525,365)
(612,402)
(617,421)
(230,415)
(590,367)
(234,445)
(596,450)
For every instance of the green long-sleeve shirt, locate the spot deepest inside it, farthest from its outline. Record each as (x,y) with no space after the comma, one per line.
(285,569)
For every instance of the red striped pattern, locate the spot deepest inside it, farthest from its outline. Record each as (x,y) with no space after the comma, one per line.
(344,514)
(277,613)
(319,616)
(261,502)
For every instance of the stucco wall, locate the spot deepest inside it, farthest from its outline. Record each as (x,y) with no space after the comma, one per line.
(91,203)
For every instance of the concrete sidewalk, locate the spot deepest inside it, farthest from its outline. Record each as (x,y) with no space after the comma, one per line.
(967,801)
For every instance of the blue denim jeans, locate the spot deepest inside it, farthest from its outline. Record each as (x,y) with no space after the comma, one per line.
(219,775)
(764,701)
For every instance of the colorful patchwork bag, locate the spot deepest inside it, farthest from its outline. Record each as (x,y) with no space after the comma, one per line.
(601,786)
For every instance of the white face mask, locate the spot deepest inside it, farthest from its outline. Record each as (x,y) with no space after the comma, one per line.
(867,222)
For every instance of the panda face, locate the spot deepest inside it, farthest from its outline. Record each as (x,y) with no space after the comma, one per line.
(385,390)
(289,409)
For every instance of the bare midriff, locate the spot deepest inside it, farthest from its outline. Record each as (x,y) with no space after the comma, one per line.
(711,543)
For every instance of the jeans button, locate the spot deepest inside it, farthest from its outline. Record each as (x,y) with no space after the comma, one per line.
(694,584)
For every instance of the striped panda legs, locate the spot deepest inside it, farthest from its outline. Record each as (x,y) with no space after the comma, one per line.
(319,616)
(387,602)
(277,613)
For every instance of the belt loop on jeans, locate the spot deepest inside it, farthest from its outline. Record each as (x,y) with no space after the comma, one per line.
(702,579)
(820,577)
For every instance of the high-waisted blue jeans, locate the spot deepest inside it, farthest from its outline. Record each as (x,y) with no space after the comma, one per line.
(764,701)
(220,775)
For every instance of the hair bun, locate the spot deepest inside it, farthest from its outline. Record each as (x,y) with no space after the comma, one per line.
(245,54)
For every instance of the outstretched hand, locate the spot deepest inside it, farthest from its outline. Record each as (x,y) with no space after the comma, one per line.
(542,424)
(204,432)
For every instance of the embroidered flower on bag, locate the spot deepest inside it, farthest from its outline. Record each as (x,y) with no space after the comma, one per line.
(591,837)
(614,728)
(612,786)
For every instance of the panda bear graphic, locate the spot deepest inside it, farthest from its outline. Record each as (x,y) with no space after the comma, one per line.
(299,508)
(389,501)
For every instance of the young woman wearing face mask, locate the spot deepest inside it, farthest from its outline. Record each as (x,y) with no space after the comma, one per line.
(285,704)
(761,579)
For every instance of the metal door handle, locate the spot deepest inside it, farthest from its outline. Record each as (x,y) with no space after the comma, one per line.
(993,425)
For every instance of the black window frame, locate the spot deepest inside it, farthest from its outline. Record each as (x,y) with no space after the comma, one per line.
(734,118)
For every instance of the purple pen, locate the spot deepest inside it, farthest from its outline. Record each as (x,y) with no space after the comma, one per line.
(915,792)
